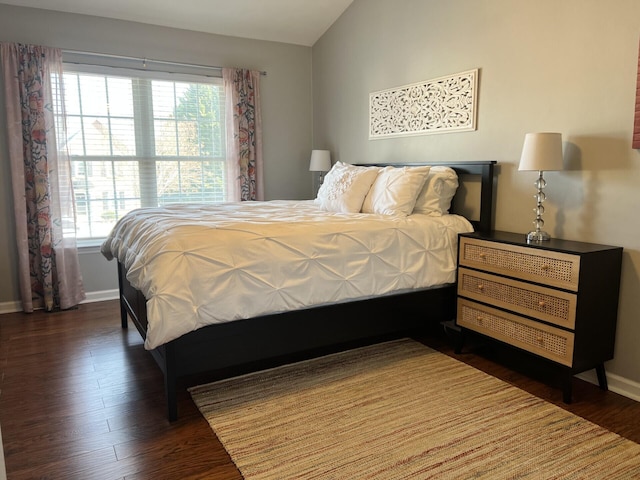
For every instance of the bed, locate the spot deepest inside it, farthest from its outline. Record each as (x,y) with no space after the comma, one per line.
(193,323)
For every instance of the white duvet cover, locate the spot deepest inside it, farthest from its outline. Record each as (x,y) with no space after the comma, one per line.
(205,264)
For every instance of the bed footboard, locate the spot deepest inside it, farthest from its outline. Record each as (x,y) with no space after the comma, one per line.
(270,340)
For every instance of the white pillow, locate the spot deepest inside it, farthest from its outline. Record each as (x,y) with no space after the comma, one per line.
(438,191)
(395,190)
(345,187)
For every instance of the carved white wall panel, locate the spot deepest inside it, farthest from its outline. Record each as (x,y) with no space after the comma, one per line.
(442,105)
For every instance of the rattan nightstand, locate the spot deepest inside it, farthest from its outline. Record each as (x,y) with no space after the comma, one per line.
(556,299)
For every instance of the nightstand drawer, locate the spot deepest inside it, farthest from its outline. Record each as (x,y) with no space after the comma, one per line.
(542,266)
(553,306)
(543,340)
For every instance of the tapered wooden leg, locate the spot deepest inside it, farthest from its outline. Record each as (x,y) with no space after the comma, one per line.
(459,342)
(567,387)
(602,376)
(455,333)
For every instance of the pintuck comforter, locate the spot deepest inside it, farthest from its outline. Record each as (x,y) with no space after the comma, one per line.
(205,264)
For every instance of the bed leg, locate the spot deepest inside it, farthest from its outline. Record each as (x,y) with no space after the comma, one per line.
(172,401)
(124,319)
(170,385)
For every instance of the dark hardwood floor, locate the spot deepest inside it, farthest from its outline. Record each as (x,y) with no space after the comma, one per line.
(80,398)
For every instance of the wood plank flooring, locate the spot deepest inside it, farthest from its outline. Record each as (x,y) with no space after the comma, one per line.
(80,398)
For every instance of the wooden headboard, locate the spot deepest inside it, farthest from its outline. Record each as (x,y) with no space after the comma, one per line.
(467,171)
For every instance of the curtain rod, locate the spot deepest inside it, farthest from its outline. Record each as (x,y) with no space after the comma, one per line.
(145,60)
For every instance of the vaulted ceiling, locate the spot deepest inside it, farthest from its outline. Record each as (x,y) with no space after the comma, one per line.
(299,22)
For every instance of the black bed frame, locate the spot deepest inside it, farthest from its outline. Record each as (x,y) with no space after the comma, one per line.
(273,339)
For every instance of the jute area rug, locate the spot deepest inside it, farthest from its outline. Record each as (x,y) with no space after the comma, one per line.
(400,410)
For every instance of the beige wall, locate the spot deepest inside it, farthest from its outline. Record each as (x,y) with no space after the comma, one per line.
(286,105)
(546,65)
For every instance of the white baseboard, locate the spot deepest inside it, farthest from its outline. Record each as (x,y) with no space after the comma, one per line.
(101,296)
(623,386)
(13,307)
(10,307)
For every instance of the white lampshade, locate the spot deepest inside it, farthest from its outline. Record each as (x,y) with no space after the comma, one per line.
(542,152)
(320,161)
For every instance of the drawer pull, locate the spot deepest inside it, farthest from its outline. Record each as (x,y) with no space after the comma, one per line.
(480,287)
(479,319)
(540,340)
(541,303)
(482,255)
(545,267)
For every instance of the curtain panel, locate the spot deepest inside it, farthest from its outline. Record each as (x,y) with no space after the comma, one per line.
(41,176)
(244,134)
(636,124)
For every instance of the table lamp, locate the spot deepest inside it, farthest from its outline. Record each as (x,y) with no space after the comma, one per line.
(541,152)
(320,162)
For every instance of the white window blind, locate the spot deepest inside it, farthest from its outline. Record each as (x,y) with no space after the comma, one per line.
(141,140)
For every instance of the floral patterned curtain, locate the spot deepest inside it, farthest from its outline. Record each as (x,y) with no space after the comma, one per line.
(41,177)
(244,133)
(636,124)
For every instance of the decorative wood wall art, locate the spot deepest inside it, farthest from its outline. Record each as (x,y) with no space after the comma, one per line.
(636,124)
(442,105)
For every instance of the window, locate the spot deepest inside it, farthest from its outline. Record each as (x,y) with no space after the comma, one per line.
(141,142)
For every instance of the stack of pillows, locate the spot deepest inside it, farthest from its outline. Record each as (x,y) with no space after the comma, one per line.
(388,190)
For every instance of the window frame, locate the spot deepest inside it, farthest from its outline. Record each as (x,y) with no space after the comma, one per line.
(143,120)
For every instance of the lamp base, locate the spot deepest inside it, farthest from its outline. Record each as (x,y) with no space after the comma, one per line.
(538,236)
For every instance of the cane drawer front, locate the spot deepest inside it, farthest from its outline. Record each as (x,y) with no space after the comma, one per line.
(537,265)
(544,340)
(554,306)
